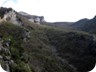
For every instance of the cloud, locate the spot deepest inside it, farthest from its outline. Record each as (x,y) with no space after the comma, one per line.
(5,2)
(15,1)
(9,3)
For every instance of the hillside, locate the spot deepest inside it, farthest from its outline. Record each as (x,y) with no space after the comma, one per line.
(48,49)
(88,25)
(32,47)
(79,23)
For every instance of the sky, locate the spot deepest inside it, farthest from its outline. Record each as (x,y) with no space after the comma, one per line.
(55,10)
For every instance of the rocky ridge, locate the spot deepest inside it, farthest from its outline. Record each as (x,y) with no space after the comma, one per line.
(8,14)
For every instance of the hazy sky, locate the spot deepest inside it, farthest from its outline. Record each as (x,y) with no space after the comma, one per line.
(55,10)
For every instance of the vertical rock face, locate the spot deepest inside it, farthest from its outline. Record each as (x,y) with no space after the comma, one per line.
(42,19)
(33,18)
(4,11)
(37,19)
(10,16)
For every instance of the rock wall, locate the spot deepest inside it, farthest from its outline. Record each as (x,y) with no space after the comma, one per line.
(37,19)
(33,18)
(11,17)
(8,14)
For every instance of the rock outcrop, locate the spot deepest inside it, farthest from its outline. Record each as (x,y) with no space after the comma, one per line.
(5,57)
(8,14)
(33,18)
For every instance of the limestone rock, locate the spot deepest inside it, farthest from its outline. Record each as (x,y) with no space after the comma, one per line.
(33,18)
(8,14)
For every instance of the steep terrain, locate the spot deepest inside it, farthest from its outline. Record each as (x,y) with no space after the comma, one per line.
(29,47)
(33,18)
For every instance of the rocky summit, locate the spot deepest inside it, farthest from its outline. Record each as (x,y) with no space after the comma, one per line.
(30,44)
(8,14)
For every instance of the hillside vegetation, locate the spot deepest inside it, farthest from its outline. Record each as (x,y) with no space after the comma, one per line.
(48,49)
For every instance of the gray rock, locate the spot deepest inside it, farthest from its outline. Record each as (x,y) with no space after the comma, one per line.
(11,62)
(7,42)
(1,57)
(33,18)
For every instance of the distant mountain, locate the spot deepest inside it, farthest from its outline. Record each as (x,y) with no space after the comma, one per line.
(88,25)
(59,24)
(79,23)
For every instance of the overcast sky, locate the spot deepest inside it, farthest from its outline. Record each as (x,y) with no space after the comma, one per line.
(55,10)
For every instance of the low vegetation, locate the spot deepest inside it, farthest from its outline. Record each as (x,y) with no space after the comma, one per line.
(48,49)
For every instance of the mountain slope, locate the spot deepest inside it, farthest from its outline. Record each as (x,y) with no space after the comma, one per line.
(48,49)
(31,47)
(35,53)
(79,23)
(86,25)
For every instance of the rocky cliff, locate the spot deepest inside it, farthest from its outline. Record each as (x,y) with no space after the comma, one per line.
(33,18)
(8,14)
